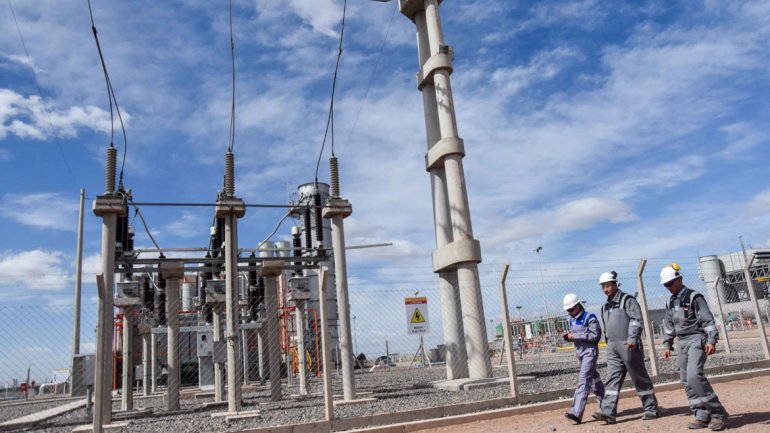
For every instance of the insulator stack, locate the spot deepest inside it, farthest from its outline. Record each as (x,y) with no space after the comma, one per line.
(296,244)
(149,295)
(308,231)
(229,174)
(319,228)
(109,180)
(161,301)
(335,176)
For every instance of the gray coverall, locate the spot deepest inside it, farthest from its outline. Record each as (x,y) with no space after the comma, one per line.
(586,333)
(622,321)
(689,318)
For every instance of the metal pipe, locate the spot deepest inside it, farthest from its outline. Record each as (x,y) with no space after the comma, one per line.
(648,334)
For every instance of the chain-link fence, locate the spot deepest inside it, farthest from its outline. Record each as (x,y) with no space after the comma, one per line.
(399,353)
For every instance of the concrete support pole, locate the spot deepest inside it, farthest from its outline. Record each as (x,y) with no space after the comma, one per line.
(755,305)
(454,339)
(337,209)
(109,207)
(726,335)
(154,367)
(146,364)
(78,279)
(325,349)
(299,320)
(232,335)
(649,336)
(127,398)
(219,367)
(245,355)
(261,353)
(271,272)
(173,272)
(508,340)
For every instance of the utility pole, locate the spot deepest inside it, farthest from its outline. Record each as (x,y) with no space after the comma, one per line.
(457,253)
(542,282)
(78,281)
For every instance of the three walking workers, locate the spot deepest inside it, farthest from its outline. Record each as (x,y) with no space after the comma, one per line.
(687,317)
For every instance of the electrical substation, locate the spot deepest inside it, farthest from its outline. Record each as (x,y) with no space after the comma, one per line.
(243,313)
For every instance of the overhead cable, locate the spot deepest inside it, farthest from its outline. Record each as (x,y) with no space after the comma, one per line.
(112,98)
(330,117)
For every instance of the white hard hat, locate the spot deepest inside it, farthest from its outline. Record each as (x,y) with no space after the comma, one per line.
(570,301)
(669,273)
(608,277)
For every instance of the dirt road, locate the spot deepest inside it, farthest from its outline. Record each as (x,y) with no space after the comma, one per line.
(747,401)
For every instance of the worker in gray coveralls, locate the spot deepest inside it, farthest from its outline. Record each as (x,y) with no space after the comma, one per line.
(689,318)
(622,323)
(585,332)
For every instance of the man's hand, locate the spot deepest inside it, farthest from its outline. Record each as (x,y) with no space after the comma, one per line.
(570,336)
(666,353)
(710,349)
(631,345)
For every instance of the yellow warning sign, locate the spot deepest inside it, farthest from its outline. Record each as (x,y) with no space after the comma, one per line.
(417,321)
(417,317)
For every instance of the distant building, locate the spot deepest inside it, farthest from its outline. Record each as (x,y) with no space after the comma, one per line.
(723,276)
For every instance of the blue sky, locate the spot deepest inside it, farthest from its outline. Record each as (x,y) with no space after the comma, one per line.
(599,130)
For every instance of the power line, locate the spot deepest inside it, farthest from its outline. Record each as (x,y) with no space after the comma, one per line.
(111,96)
(330,117)
(371,81)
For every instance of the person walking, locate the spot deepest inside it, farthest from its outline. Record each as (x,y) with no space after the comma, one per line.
(623,324)
(688,317)
(585,332)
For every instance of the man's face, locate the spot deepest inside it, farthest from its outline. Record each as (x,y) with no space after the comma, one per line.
(610,288)
(674,285)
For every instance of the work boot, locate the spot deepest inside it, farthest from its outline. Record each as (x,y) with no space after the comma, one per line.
(650,415)
(573,418)
(717,424)
(602,417)
(697,424)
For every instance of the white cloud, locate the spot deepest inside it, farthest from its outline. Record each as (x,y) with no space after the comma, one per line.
(38,270)
(187,226)
(29,117)
(41,210)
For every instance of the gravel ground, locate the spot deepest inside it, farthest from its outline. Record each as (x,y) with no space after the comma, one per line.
(395,390)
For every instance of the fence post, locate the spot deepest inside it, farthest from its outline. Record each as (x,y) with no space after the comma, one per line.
(325,350)
(508,342)
(755,304)
(649,336)
(722,315)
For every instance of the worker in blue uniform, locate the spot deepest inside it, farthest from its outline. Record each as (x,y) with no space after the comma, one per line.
(623,324)
(585,332)
(688,317)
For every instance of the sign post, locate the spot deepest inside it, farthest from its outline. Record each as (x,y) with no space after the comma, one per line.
(417,323)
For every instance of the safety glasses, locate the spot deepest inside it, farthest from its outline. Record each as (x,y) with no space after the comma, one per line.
(669,284)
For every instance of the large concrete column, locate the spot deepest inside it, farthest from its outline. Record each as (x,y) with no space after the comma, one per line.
(78,281)
(271,272)
(173,272)
(337,209)
(460,253)
(127,398)
(109,207)
(454,338)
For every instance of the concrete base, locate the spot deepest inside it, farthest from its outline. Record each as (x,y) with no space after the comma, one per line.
(356,401)
(301,397)
(469,384)
(248,414)
(38,417)
(365,394)
(90,427)
(244,413)
(209,404)
(138,413)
